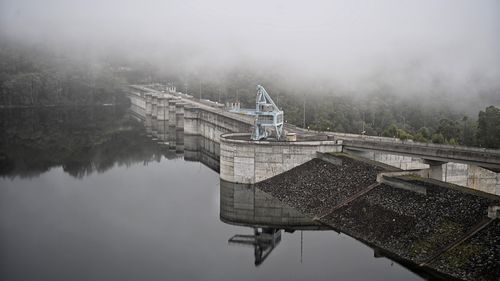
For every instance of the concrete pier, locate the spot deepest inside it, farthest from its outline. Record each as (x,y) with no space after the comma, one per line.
(161,111)
(247,161)
(471,176)
(179,115)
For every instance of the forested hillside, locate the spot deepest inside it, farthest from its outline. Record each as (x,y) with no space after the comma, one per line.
(35,76)
(381,112)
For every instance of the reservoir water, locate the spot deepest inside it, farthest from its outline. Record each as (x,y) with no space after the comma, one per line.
(95,194)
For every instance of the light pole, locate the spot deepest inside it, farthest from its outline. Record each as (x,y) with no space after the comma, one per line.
(363,129)
(200,89)
(238,93)
(304,115)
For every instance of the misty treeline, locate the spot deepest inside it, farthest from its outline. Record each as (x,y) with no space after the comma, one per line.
(382,112)
(35,76)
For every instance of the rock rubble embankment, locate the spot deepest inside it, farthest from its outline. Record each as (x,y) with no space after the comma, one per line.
(413,226)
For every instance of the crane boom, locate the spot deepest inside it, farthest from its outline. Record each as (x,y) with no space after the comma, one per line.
(267,115)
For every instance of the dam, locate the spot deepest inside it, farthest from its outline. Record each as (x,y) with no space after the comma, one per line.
(420,223)
(247,161)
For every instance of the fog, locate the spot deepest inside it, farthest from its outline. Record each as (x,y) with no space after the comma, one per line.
(411,47)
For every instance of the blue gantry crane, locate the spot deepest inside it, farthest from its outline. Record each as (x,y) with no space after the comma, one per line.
(267,116)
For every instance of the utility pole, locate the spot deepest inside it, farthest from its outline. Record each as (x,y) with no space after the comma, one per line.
(465,128)
(363,130)
(304,115)
(200,89)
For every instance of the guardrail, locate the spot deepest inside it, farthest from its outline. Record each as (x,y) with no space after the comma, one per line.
(414,144)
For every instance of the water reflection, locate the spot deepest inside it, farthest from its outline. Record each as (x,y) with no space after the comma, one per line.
(80,140)
(263,242)
(91,139)
(246,205)
(267,217)
(193,148)
(160,221)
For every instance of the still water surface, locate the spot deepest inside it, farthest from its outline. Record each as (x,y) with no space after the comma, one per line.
(87,194)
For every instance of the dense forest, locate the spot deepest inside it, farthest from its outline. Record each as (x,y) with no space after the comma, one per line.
(380,113)
(35,76)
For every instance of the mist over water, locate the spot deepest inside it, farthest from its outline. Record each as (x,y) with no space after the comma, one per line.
(408,48)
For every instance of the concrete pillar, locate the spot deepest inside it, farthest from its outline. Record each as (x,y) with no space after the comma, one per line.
(154,105)
(497,186)
(191,147)
(191,121)
(482,179)
(162,131)
(172,137)
(179,115)
(456,173)
(148,98)
(147,125)
(171,112)
(494,212)
(160,114)
(466,175)
(436,169)
(179,141)
(154,128)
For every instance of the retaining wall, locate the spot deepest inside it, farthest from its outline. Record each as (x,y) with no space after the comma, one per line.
(246,161)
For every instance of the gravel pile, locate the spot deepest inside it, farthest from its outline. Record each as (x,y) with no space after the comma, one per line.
(477,258)
(315,187)
(412,225)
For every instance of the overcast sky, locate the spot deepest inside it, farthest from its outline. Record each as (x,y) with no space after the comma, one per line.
(408,44)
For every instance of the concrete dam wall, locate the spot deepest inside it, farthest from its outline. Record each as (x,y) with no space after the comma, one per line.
(245,161)
(241,160)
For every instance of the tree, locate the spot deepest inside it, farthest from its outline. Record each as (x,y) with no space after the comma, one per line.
(449,129)
(438,138)
(391,131)
(419,137)
(488,131)
(424,132)
(469,131)
(395,132)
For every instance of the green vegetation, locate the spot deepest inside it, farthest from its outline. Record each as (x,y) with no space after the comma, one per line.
(379,114)
(488,132)
(33,76)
